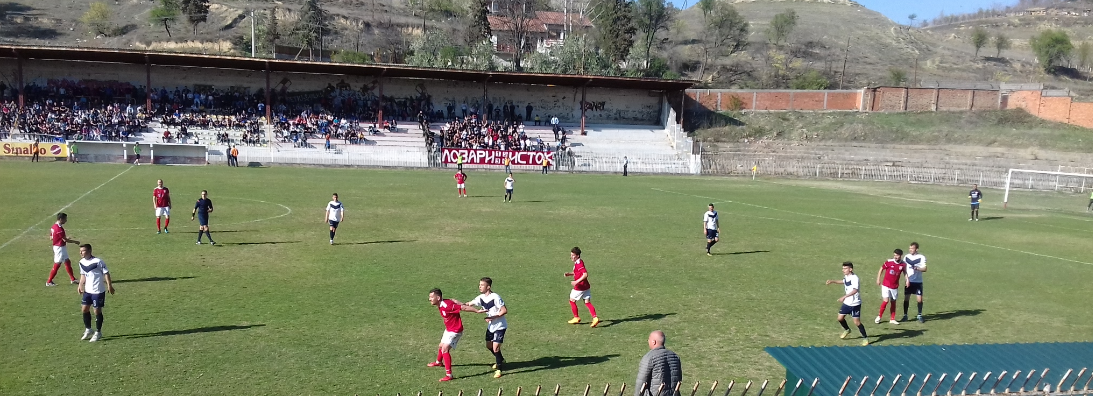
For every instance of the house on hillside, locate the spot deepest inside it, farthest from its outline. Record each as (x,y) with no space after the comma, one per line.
(545,30)
(1037,11)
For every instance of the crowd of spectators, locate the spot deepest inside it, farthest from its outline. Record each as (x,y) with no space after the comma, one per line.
(111,110)
(470,132)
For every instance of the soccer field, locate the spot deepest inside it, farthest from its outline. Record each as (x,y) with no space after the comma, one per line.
(274,309)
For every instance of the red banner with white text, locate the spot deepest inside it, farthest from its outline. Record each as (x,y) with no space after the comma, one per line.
(495,157)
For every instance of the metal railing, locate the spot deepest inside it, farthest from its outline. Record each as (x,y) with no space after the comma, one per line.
(987,384)
(801,388)
(942,174)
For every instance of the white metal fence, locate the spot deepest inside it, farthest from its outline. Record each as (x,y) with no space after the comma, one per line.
(941,173)
(409,157)
(640,163)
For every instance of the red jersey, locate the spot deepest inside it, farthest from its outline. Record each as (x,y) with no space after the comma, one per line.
(892,272)
(578,272)
(449,310)
(162,196)
(460,177)
(57,233)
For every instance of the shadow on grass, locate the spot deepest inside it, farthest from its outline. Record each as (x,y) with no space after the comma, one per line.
(636,318)
(256,243)
(899,334)
(153,279)
(165,333)
(536,201)
(953,314)
(374,242)
(736,253)
(992,218)
(554,362)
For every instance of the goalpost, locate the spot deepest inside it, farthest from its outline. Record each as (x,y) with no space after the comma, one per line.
(1047,181)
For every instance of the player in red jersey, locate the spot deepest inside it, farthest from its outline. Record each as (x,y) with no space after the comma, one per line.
(581,288)
(453,329)
(891,271)
(161,201)
(60,252)
(460,178)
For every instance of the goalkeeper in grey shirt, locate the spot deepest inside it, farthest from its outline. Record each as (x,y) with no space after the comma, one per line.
(659,372)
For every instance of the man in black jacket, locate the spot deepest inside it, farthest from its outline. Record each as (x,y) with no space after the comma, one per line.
(659,372)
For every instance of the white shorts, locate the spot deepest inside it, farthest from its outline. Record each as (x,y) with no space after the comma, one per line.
(450,338)
(60,254)
(163,212)
(460,186)
(888,294)
(575,295)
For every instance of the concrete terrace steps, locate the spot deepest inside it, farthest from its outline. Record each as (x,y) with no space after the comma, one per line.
(908,155)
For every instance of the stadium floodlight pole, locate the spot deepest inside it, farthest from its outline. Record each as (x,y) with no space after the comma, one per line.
(253,46)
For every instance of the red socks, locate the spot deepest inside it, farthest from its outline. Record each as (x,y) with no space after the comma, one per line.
(572,306)
(53,273)
(166,222)
(884,305)
(893,311)
(157,224)
(447,363)
(592,309)
(68,267)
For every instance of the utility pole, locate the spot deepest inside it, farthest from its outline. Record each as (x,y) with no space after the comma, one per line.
(253,45)
(846,55)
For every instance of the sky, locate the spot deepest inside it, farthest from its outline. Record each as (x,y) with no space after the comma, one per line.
(898,10)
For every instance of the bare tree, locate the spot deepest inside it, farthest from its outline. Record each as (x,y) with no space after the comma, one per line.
(517,18)
(726,33)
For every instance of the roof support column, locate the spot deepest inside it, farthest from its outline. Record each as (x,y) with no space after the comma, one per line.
(379,114)
(584,107)
(485,99)
(269,111)
(19,78)
(147,85)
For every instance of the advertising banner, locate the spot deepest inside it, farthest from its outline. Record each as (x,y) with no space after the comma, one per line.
(17,149)
(496,157)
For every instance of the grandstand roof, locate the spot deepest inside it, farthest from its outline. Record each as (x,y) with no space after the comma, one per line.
(293,66)
(833,364)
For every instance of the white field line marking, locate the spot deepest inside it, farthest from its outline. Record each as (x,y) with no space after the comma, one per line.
(887,228)
(288,211)
(53,216)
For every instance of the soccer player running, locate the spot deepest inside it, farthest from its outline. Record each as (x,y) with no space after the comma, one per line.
(453,330)
(581,288)
(60,251)
(202,208)
(975,195)
(711,225)
(460,179)
(334,215)
(851,301)
(916,265)
(161,201)
(891,271)
(92,274)
(508,187)
(495,310)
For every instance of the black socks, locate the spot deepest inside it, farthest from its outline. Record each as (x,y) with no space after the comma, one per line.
(98,321)
(843,323)
(87,320)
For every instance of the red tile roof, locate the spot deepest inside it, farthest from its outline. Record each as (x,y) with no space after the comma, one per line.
(539,24)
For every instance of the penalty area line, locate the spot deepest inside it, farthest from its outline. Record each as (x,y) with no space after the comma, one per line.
(886,228)
(64,207)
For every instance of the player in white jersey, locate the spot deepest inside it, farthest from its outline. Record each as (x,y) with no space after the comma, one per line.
(495,310)
(851,301)
(712,227)
(93,274)
(334,215)
(508,188)
(916,265)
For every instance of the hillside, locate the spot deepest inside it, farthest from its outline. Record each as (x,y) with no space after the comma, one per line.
(877,44)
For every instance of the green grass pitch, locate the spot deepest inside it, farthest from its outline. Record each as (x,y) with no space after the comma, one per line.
(274,309)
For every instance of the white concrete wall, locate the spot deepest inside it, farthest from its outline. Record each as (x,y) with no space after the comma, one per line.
(160,153)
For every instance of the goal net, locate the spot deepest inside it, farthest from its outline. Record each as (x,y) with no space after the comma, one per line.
(1037,189)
